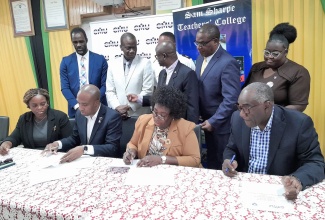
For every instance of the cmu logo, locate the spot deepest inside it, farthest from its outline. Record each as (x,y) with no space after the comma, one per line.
(106,57)
(111,44)
(152,40)
(145,55)
(120,29)
(141,27)
(118,55)
(164,24)
(100,31)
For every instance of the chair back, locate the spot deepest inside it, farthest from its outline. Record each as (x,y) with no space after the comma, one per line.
(198,133)
(127,132)
(4,127)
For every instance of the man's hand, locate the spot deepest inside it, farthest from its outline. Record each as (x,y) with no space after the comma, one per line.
(231,172)
(123,110)
(5,147)
(129,155)
(292,187)
(50,149)
(132,97)
(206,126)
(73,154)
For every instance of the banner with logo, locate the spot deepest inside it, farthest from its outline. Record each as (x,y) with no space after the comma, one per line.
(234,20)
(105,35)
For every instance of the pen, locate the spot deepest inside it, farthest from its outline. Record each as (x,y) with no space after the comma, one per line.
(232,160)
(131,156)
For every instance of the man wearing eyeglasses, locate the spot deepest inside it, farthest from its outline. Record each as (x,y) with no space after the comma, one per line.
(271,139)
(219,86)
(127,74)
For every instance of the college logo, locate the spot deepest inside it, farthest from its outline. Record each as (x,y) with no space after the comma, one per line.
(100,31)
(142,27)
(111,43)
(164,25)
(145,55)
(120,29)
(152,40)
(106,57)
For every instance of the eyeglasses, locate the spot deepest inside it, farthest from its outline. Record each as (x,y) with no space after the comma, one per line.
(202,44)
(158,55)
(6,161)
(274,54)
(247,108)
(160,117)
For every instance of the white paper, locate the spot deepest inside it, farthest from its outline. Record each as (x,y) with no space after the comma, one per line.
(266,197)
(120,163)
(145,176)
(51,173)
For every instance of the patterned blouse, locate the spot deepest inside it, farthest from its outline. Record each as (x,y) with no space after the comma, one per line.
(158,140)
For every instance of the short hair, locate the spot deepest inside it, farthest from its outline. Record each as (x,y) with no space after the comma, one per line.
(31,93)
(169,35)
(78,30)
(211,29)
(171,98)
(128,35)
(262,92)
(92,90)
(284,33)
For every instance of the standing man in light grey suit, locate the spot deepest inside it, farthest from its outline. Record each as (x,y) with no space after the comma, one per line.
(129,74)
(219,87)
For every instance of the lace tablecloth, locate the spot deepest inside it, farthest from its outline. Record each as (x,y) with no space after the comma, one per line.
(99,193)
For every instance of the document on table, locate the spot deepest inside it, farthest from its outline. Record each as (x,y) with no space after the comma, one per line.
(120,163)
(51,173)
(266,197)
(146,176)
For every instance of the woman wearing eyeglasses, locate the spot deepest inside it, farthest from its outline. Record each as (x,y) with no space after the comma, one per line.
(289,81)
(164,137)
(38,127)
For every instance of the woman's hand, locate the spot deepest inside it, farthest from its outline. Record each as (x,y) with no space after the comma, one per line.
(129,155)
(5,147)
(149,161)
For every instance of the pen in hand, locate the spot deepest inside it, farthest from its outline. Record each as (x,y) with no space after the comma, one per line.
(131,160)
(231,161)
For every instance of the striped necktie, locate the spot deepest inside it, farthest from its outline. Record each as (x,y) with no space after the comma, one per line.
(83,78)
(204,65)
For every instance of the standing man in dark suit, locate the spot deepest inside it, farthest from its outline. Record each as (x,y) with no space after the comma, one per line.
(97,130)
(177,75)
(81,68)
(270,139)
(219,88)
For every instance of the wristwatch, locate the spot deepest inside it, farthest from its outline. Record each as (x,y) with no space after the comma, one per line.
(85,149)
(163,159)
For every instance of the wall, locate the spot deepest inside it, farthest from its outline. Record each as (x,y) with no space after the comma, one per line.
(16,75)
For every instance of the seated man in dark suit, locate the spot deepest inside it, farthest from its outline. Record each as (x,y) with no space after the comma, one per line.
(97,130)
(269,139)
(176,75)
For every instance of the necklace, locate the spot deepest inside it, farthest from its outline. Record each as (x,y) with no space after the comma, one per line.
(40,120)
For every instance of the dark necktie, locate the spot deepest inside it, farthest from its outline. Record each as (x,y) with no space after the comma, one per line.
(162,78)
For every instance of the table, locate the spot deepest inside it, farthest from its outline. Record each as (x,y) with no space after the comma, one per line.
(98,193)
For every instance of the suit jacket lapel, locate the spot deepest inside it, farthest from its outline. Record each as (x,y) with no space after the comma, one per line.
(172,136)
(245,142)
(133,66)
(98,121)
(278,126)
(90,66)
(51,128)
(174,75)
(30,125)
(211,63)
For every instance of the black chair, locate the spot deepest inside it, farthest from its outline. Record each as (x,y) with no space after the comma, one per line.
(4,127)
(198,133)
(127,132)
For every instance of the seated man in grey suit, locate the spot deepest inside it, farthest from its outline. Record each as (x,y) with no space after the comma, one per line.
(97,130)
(269,139)
(176,75)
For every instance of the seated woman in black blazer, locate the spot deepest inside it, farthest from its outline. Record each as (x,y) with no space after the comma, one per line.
(38,127)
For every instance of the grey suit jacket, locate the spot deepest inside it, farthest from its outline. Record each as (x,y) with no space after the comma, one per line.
(293,150)
(105,136)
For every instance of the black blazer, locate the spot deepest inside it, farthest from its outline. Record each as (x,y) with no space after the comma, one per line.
(105,136)
(58,127)
(184,79)
(293,150)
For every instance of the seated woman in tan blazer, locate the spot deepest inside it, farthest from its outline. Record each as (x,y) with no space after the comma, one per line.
(164,137)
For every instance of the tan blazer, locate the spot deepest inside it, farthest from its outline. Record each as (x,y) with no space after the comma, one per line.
(184,144)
